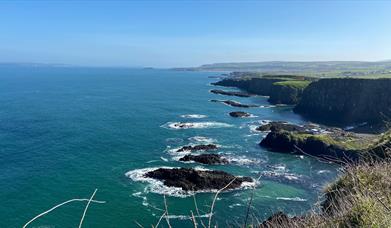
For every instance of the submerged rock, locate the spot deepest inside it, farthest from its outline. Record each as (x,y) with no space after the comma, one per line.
(239,114)
(198,147)
(235,104)
(230,93)
(195,180)
(209,159)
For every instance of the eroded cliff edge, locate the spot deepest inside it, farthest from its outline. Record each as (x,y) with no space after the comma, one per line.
(347,101)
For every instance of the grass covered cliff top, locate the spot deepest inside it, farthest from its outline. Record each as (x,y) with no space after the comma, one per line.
(295,84)
(345,140)
(360,197)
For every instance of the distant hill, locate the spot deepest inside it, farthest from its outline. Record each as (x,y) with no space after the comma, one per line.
(326,68)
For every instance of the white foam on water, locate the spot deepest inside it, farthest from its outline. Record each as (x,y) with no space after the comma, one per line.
(323,171)
(164,159)
(195,125)
(144,198)
(157,186)
(187,217)
(202,139)
(297,199)
(235,205)
(194,116)
(242,160)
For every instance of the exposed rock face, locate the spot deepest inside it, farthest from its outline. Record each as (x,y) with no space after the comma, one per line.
(259,86)
(288,142)
(347,101)
(269,86)
(230,93)
(279,125)
(208,159)
(198,147)
(191,179)
(235,104)
(239,114)
(285,95)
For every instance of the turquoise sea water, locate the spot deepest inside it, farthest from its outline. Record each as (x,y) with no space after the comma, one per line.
(67,131)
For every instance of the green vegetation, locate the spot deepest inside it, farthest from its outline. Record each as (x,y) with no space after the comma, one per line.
(295,84)
(328,69)
(351,141)
(361,197)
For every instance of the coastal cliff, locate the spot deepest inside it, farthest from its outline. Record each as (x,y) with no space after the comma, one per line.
(347,101)
(281,89)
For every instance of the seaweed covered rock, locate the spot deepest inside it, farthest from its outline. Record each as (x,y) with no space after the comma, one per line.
(195,180)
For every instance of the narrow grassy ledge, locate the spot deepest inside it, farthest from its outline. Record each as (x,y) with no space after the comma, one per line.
(295,84)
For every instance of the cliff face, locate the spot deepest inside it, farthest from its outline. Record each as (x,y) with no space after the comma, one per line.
(281,91)
(258,86)
(347,101)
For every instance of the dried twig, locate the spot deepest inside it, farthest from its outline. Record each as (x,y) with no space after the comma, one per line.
(167,218)
(59,205)
(215,198)
(85,209)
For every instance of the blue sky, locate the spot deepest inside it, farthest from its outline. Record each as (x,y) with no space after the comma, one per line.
(190,33)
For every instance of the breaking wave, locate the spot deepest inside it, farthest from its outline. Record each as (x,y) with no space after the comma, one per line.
(157,186)
(195,125)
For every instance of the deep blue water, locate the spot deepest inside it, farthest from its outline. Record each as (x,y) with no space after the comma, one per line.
(67,131)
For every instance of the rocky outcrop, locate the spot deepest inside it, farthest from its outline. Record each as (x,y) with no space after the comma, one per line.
(208,159)
(230,93)
(239,114)
(198,148)
(280,89)
(258,86)
(287,92)
(195,180)
(235,104)
(280,125)
(323,146)
(347,101)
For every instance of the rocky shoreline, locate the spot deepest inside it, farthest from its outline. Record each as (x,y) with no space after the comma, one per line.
(197,180)
(207,159)
(230,93)
(235,104)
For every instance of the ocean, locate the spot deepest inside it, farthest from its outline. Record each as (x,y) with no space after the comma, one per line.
(66,131)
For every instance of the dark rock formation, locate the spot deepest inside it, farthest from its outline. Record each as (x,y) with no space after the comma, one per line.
(347,101)
(259,86)
(209,159)
(191,179)
(279,125)
(235,104)
(230,93)
(302,143)
(239,114)
(198,147)
(283,93)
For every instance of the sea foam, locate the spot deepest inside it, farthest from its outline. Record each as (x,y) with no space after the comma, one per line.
(195,125)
